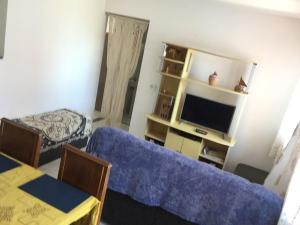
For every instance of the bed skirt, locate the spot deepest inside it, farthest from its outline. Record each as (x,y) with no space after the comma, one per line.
(55,153)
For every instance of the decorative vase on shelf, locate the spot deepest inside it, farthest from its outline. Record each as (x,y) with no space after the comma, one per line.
(241,86)
(172,53)
(213,79)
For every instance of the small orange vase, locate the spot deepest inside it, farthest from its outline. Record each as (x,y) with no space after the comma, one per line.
(213,79)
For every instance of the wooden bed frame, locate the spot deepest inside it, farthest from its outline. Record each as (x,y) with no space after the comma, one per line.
(20,142)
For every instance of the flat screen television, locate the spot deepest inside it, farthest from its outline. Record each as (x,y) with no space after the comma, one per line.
(207,113)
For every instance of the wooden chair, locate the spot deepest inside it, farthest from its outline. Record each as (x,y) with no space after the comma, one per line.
(85,172)
(20,142)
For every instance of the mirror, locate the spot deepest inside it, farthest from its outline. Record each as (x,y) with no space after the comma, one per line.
(3,11)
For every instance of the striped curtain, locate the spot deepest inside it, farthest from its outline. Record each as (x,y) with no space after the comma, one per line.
(125,37)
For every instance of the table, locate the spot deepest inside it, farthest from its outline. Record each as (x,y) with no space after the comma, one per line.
(20,208)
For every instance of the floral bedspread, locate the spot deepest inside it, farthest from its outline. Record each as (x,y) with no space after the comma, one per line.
(59,126)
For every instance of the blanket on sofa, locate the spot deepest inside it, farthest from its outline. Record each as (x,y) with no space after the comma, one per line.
(193,190)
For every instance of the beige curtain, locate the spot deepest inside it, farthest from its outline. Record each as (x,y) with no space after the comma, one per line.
(287,127)
(123,50)
(290,214)
(282,171)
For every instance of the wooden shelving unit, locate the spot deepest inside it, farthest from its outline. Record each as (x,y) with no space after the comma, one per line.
(187,128)
(164,127)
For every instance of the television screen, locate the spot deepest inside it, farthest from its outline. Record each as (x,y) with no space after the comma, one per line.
(204,112)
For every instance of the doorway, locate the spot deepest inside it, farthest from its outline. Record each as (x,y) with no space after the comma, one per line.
(123,51)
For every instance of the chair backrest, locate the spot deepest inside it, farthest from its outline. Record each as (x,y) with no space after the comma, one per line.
(20,142)
(85,172)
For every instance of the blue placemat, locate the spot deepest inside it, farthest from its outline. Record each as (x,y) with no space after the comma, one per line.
(7,164)
(56,193)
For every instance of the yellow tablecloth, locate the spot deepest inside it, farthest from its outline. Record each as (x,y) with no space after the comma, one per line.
(20,208)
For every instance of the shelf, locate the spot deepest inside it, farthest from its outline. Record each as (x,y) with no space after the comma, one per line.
(203,83)
(212,158)
(159,120)
(211,53)
(171,75)
(157,137)
(166,95)
(210,136)
(174,61)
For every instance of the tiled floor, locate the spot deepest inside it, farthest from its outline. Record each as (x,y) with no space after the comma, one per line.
(51,168)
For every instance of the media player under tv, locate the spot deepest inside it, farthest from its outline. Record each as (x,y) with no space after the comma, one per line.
(201,131)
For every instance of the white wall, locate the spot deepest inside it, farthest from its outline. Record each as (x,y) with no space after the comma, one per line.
(272,41)
(279,7)
(53,50)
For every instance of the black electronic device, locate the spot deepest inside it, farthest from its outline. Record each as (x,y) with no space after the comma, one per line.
(201,131)
(207,113)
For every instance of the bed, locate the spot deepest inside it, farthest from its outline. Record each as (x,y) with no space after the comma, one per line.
(58,127)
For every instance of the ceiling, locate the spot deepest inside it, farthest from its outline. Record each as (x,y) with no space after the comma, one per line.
(289,8)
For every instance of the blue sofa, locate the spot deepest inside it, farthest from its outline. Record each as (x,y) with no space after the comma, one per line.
(161,185)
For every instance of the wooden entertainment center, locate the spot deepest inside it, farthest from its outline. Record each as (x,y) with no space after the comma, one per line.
(164,126)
